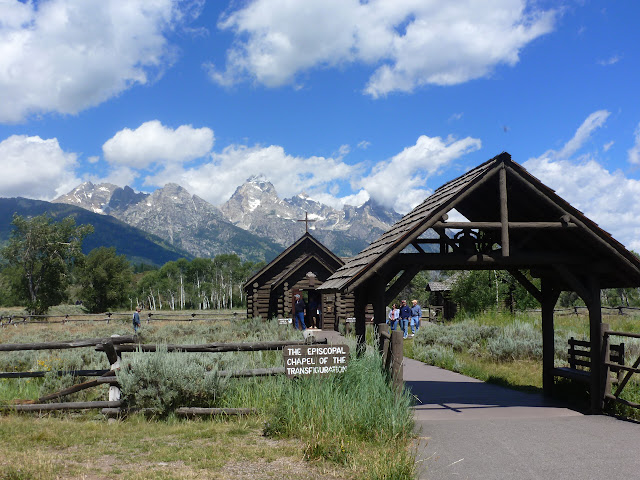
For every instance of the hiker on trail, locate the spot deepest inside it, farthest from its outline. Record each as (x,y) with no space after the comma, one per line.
(394,315)
(136,320)
(298,313)
(405,315)
(416,314)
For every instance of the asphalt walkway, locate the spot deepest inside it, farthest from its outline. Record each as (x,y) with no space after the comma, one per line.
(473,430)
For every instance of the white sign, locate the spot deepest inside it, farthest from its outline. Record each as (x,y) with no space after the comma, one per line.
(305,360)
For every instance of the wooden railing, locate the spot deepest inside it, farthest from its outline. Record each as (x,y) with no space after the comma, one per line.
(107,317)
(113,347)
(609,367)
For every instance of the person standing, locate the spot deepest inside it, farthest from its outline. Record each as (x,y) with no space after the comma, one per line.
(136,320)
(405,315)
(298,313)
(416,314)
(312,311)
(394,315)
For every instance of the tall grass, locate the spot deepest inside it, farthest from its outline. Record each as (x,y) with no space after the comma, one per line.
(334,415)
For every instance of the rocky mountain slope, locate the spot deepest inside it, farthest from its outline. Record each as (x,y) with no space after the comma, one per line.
(138,246)
(255,222)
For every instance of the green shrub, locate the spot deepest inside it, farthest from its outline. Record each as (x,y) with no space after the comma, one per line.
(164,381)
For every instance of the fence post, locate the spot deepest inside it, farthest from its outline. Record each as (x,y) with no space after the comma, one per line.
(383,343)
(397,355)
(114,360)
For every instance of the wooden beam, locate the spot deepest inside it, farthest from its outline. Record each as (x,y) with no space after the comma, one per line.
(400,283)
(462,261)
(359,309)
(574,283)
(498,225)
(565,215)
(526,283)
(549,294)
(504,212)
(367,271)
(596,393)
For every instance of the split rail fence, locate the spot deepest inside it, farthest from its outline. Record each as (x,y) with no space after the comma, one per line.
(108,317)
(113,347)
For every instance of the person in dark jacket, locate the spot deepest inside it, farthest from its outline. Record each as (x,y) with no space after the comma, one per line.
(298,313)
(405,316)
(136,320)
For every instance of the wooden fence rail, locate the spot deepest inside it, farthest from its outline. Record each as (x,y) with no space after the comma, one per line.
(113,348)
(26,319)
(609,367)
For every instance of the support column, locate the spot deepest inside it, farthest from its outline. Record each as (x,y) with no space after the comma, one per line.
(377,300)
(595,338)
(359,306)
(550,296)
(504,212)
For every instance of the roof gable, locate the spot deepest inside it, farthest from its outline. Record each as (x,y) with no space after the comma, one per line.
(307,246)
(536,215)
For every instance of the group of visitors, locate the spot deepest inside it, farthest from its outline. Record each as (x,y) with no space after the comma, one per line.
(312,313)
(406,316)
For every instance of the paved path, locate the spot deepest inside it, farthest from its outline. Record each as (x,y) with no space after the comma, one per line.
(473,430)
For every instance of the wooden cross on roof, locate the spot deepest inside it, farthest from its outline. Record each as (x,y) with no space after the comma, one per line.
(306,221)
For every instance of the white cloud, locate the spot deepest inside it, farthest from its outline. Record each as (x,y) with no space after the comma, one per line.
(608,198)
(36,168)
(609,61)
(584,132)
(67,55)
(411,42)
(399,182)
(634,152)
(364,144)
(153,143)
(607,146)
(217,179)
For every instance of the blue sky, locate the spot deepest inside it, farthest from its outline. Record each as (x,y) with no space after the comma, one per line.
(342,99)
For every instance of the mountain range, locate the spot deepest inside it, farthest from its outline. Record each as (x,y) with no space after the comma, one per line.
(254,223)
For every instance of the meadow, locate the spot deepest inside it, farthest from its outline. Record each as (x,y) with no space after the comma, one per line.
(351,425)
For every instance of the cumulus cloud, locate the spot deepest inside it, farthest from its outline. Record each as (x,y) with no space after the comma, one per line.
(611,199)
(153,143)
(67,55)
(36,168)
(411,168)
(410,43)
(216,179)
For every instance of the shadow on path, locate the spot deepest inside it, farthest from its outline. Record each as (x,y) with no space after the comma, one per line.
(473,430)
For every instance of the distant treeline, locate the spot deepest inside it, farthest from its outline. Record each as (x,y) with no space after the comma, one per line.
(42,265)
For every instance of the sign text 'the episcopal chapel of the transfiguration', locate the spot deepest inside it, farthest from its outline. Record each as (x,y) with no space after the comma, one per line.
(305,360)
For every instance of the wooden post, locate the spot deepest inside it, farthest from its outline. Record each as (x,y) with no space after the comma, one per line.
(114,360)
(595,338)
(504,211)
(359,308)
(376,297)
(606,357)
(549,299)
(384,343)
(397,355)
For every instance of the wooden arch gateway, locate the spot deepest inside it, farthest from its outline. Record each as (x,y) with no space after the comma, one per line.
(515,223)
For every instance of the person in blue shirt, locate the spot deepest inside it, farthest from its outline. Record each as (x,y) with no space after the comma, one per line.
(405,315)
(298,315)
(136,320)
(416,314)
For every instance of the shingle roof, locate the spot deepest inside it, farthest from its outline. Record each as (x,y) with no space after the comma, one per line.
(475,194)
